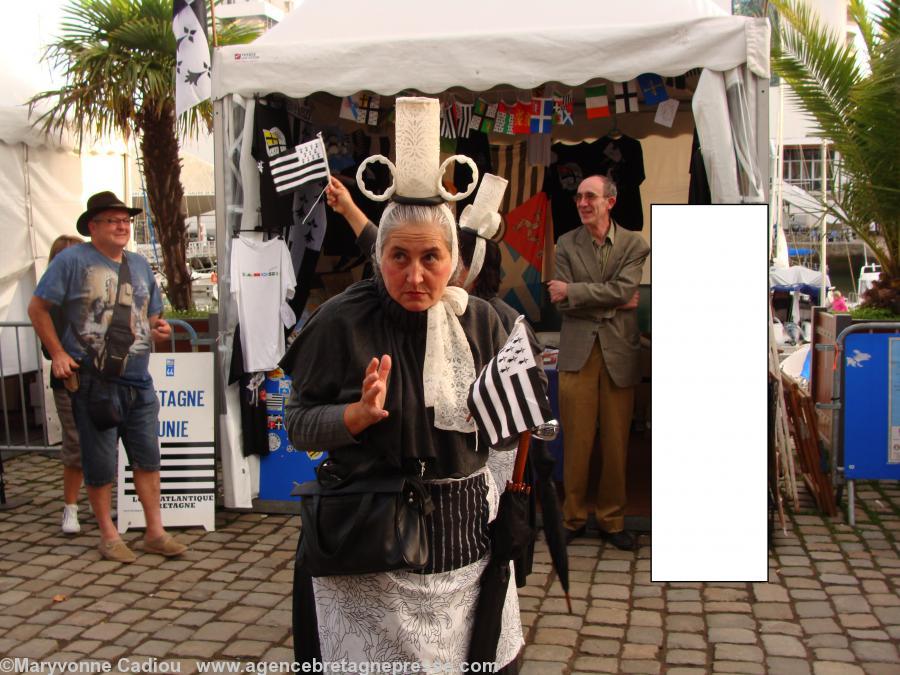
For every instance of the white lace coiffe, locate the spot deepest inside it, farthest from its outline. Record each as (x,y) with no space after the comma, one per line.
(449,365)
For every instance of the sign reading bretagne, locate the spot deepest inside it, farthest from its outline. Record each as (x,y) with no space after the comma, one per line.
(184,388)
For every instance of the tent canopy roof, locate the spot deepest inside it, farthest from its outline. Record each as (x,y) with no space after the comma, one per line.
(357,45)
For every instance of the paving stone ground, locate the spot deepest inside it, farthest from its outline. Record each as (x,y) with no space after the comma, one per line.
(831,605)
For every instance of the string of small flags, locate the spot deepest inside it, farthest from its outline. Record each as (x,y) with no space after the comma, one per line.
(538,114)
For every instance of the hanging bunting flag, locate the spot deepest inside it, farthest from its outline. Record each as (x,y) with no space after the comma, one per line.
(349,109)
(563,110)
(362,108)
(541,115)
(521,114)
(193,82)
(596,102)
(448,121)
(503,124)
(368,108)
(490,114)
(626,97)
(478,109)
(463,119)
(652,88)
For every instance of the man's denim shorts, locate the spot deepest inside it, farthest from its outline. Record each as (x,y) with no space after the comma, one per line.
(100,449)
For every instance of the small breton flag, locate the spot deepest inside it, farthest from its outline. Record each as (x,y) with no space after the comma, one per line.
(305,163)
(509,397)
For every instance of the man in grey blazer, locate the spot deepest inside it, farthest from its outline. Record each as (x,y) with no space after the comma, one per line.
(598,270)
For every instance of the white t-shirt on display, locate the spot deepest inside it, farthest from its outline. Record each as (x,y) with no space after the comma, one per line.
(262,279)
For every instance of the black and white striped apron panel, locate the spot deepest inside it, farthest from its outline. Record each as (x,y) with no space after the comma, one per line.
(458,527)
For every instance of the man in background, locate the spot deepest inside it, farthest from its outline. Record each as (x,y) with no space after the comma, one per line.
(598,269)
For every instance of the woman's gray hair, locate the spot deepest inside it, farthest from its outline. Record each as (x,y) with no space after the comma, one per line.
(397,214)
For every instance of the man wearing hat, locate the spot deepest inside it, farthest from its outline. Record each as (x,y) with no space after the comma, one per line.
(97,286)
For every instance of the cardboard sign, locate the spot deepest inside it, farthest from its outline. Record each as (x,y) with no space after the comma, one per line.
(184,387)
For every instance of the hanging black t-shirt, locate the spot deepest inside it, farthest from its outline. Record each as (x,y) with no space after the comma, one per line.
(621,159)
(570,165)
(271,137)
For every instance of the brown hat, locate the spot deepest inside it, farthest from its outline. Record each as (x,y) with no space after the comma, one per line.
(102,201)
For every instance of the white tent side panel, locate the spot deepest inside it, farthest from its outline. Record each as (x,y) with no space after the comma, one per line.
(42,190)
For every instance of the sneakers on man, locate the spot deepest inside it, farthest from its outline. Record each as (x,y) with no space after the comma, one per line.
(164,545)
(70,524)
(117,551)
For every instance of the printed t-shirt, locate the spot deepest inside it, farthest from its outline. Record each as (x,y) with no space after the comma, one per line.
(83,282)
(262,279)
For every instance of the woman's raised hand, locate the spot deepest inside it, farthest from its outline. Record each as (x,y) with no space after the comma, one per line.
(369,409)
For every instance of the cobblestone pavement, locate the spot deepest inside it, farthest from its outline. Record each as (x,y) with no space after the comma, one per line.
(831,605)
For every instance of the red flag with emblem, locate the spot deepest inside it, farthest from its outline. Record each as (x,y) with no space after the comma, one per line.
(525,226)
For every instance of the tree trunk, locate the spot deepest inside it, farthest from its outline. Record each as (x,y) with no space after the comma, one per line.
(162,172)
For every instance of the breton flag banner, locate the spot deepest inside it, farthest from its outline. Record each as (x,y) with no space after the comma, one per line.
(509,397)
(305,163)
(193,83)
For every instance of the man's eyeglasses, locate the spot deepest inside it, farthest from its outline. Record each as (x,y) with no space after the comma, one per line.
(586,196)
(114,221)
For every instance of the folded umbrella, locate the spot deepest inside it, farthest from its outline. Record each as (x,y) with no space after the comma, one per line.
(511,533)
(554,531)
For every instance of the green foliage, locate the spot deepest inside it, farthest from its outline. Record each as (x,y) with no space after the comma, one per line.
(118,60)
(857,109)
(874,314)
(184,314)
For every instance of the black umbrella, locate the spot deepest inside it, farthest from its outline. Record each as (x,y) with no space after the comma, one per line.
(554,532)
(511,534)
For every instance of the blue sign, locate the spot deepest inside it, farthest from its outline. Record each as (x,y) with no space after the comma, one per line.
(284,465)
(871,412)
(170,367)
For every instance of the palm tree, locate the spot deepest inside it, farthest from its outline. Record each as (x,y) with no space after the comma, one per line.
(118,60)
(857,109)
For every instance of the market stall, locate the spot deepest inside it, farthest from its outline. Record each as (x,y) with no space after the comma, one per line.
(549,84)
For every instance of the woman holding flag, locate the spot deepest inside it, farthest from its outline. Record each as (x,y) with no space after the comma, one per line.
(381,376)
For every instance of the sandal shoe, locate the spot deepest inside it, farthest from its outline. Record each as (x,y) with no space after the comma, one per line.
(165,545)
(117,551)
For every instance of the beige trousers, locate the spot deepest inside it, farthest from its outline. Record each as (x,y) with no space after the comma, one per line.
(590,402)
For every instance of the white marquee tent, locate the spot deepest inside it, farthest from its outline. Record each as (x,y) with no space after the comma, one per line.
(45,183)
(391,46)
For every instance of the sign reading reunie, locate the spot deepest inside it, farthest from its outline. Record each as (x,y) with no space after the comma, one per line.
(184,387)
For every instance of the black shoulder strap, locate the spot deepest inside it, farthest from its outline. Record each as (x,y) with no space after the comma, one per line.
(110,362)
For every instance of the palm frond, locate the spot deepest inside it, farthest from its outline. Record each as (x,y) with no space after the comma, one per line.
(860,15)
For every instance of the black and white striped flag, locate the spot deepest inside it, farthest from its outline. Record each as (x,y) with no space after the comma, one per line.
(463,119)
(193,82)
(509,396)
(306,162)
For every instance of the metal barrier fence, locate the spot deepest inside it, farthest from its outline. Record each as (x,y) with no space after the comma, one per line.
(18,434)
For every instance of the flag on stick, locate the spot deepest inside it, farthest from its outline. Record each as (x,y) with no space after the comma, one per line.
(509,397)
(193,83)
(306,162)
